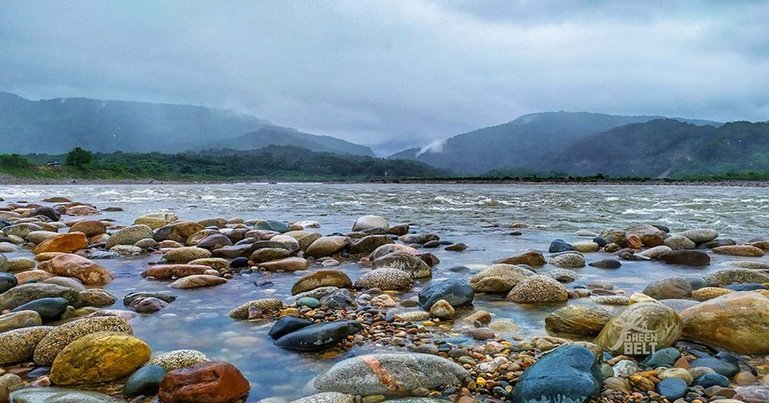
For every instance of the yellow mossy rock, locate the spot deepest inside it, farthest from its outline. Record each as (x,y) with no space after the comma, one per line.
(99,357)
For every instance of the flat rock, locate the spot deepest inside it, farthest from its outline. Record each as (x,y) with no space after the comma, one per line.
(61,336)
(321,278)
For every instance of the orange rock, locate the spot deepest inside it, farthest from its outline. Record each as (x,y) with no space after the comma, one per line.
(66,243)
(170,271)
(210,382)
(89,227)
(633,241)
(69,265)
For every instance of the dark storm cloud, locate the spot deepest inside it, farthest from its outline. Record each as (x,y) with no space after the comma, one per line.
(400,72)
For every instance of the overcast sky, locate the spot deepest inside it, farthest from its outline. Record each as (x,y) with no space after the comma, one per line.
(400,72)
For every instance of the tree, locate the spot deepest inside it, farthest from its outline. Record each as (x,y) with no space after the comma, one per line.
(79,157)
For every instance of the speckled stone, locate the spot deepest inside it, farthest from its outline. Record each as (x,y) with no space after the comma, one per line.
(499,278)
(612,300)
(61,336)
(97,297)
(327,397)
(99,357)
(198,281)
(385,279)
(20,264)
(707,293)
(568,260)
(538,289)
(17,320)
(735,276)
(177,359)
(701,235)
(60,395)
(19,345)
(129,235)
(186,254)
(24,293)
(655,252)
(267,305)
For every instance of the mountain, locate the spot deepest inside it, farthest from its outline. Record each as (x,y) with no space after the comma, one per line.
(58,125)
(662,148)
(281,136)
(524,142)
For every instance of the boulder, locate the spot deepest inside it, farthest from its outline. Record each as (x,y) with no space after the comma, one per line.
(64,243)
(533,258)
(370,223)
(286,325)
(99,357)
(44,211)
(173,271)
(655,252)
(390,248)
(60,395)
(390,374)
(177,231)
(739,250)
(267,306)
(606,264)
(268,254)
(538,289)
(61,336)
(686,257)
(677,242)
(89,227)
(327,246)
(186,254)
(570,373)
(209,382)
(568,260)
(320,336)
(701,235)
(498,278)
(214,241)
(7,281)
(369,243)
(321,278)
(24,293)
(18,320)
(272,225)
(129,235)
(457,292)
(85,270)
(286,264)
(178,359)
(559,245)
(640,329)
(411,264)
(145,381)
(48,308)
(18,345)
(669,288)
(385,279)
(726,277)
(738,321)
(578,320)
(198,281)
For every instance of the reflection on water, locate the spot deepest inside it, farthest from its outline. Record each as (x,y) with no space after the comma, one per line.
(198,319)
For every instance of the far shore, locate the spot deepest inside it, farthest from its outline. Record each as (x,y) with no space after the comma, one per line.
(6,180)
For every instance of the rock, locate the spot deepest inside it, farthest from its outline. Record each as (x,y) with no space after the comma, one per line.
(750,394)
(370,222)
(145,381)
(385,279)
(442,309)
(420,239)
(308,302)
(321,278)
(99,357)
(234,251)
(578,319)
(7,281)
(147,304)
(186,254)
(338,299)
(606,264)
(457,292)
(559,245)
(586,247)
(745,378)
(68,282)
(286,325)
(739,250)
(129,235)
(17,320)
(678,373)
(85,270)
(22,229)
(82,210)
(669,288)
(59,395)
(89,227)
(369,243)
(712,379)
(701,235)
(44,211)
(287,264)
(267,306)
(7,247)
(390,248)
(268,254)
(498,278)
(390,374)
(737,321)
(178,359)
(531,258)
(127,250)
(664,357)
(65,243)
(319,336)
(198,281)
(173,271)
(327,397)
(706,293)
(47,308)
(640,329)
(156,220)
(686,257)
(9,383)
(726,277)
(272,225)
(24,293)
(655,252)
(327,246)
(723,367)
(33,276)
(20,264)
(61,336)
(625,368)
(568,260)
(678,305)
(677,242)
(214,241)
(177,231)
(569,373)
(210,382)
(97,297)
(615,236)
(538,289)
(413,265)
(19,344)
(672,388)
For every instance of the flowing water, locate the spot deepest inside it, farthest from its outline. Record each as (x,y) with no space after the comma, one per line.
(477,215)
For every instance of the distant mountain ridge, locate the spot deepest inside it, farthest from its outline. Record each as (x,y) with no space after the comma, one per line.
(58,125)
(523,142)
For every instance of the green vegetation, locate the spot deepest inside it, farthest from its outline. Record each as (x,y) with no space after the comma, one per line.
(270,163)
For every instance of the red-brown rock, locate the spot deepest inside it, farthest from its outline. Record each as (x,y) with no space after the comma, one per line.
(69,265)
(65,243)
(171,271)
(89,227)
(208,382)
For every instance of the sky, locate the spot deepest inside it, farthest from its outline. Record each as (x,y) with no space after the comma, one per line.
(395,74)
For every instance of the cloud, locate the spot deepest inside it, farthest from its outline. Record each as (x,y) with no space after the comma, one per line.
(396,72)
